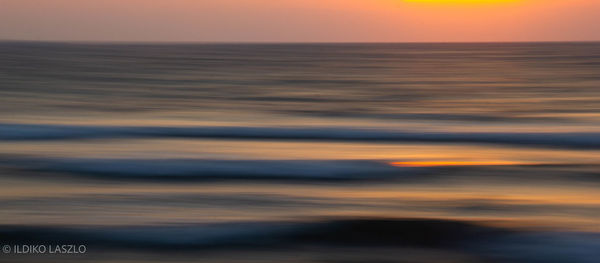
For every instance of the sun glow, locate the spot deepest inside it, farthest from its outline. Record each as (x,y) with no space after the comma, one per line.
(462,1)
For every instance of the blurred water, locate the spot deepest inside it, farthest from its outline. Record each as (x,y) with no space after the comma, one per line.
(302,152)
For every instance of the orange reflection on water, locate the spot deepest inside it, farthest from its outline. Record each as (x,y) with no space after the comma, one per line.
(453,163)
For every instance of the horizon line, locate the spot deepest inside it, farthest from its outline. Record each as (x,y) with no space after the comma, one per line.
(136,42)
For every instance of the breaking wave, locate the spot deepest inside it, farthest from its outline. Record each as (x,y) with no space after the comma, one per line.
(215,169)
(578,140)
(491,243)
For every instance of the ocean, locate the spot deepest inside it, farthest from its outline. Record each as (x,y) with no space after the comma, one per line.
(414,152)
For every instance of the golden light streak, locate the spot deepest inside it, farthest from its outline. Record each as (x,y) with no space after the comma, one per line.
(452,163)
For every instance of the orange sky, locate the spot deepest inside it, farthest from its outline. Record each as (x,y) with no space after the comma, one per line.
(300,20)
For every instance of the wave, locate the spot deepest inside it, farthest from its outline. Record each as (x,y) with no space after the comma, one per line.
(214,169)
(577,140)
(355,232)
(491,243)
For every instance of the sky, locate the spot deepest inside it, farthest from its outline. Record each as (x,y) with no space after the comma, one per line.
(300,20)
